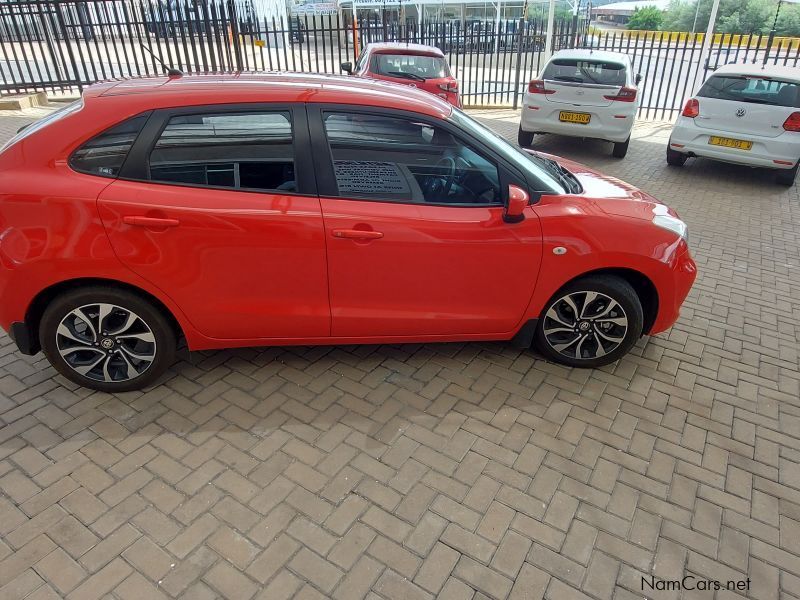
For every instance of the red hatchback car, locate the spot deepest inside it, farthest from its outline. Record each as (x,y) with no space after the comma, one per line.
(253,210)
(416,65)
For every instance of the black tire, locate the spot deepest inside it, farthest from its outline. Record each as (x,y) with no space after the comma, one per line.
(607,287)
(524,138)
(151,324)
(620,148)
(787,176)
(675,158)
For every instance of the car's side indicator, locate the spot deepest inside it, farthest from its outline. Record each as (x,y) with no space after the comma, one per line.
(559,250)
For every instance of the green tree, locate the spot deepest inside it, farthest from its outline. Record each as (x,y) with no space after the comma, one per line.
(735,16)
(647,18)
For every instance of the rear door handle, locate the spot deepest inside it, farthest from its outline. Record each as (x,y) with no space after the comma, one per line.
(150,222)
(357,234)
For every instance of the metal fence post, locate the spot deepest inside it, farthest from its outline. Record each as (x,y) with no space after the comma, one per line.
(518,70)
(65,32)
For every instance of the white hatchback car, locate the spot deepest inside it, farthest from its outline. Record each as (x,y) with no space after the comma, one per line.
(583,93)
(743,114)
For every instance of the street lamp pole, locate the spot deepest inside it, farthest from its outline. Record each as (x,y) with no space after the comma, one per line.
(696,12)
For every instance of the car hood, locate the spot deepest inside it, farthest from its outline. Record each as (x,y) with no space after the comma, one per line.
(612,195)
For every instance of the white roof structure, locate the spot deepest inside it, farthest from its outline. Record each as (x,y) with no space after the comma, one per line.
(628,8)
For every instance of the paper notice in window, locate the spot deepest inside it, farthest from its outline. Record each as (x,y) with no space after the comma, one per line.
(371,178)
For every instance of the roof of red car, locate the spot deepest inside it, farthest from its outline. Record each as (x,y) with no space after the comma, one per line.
(273,87)
(404,48)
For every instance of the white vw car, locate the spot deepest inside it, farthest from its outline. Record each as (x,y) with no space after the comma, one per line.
(583,93)
(743,114)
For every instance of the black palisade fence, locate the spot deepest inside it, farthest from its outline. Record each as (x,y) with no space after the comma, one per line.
(65,45)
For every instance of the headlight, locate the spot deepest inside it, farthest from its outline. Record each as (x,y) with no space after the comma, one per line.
(673,224)
(666,221)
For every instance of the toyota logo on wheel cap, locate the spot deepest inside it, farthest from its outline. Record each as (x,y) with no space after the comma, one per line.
(740,112)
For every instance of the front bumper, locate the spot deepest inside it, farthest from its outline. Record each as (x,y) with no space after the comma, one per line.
(684,272)
(611,123)
(781,152)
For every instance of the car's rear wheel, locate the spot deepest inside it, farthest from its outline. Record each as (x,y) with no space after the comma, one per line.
(787,176)
(590,322)
(524,138)
(675,158)
(620,148)
(107,339)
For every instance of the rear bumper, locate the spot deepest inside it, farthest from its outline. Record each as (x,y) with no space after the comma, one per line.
(683,274)
(688,138)
(611,123)
(21,335)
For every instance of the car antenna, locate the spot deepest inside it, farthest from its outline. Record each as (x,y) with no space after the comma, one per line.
(172,72)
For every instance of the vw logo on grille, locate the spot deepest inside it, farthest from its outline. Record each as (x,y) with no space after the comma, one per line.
(740,112)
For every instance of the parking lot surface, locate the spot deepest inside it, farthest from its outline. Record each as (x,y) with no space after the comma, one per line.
(451,470)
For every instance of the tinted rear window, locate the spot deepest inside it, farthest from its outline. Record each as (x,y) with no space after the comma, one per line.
(104,154)
(585,71)
(408,66)
(756,90)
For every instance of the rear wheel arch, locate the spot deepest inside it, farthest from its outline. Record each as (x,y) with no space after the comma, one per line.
(641,284)
(38,305)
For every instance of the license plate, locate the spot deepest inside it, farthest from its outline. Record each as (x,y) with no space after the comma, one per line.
(574,117)
(730,142)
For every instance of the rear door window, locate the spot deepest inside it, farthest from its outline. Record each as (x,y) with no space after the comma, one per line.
(756,90)
(585,71)
(252,150)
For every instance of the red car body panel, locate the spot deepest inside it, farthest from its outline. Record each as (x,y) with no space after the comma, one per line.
(247,269)
(444,87)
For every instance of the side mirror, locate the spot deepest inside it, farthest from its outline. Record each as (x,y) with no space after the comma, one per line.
(638,78)
(518,199)
(347,67)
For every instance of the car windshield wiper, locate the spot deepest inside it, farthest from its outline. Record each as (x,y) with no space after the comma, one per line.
(568,78)
(567,179)
(405,75)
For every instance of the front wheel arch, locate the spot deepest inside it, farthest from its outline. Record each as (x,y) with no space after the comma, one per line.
(33,315)
(641,284)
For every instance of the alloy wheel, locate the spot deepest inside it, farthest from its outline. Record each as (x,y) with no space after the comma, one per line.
(105,342)
(585,325)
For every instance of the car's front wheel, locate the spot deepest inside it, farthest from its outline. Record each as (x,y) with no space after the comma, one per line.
(787,176)
(590,322)
(524,138)
(107,339)
(675,158)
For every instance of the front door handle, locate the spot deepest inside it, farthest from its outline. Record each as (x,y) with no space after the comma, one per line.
(150,222)
(357,234)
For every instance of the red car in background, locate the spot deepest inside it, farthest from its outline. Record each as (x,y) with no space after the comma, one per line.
(424,67)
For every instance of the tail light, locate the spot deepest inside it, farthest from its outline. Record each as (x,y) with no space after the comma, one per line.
(450,86)
(625,94)
(792,122)
(691,109)
(537,87)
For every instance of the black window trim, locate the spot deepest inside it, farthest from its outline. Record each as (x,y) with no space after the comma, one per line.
(137,166)
(326,177)
(81,144)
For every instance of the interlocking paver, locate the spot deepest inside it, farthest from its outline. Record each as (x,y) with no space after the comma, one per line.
(443,470)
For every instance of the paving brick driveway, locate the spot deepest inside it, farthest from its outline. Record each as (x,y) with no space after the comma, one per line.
(449,470)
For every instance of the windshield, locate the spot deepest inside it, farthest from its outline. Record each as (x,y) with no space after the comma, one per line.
(585,71)
(542,172)
(410,66)
(43,122)
(756,90)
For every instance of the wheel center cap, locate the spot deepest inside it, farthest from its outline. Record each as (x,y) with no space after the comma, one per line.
(107,343)
(584,326)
